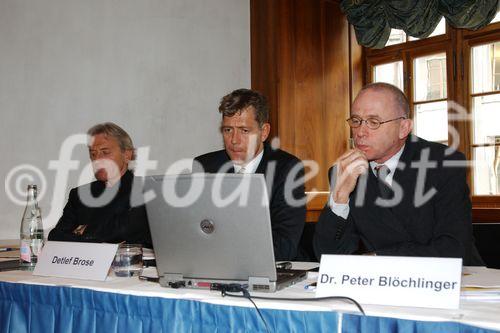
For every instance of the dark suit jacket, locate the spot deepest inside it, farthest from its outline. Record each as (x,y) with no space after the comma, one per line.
(437,227)
(287,222)
(112,223)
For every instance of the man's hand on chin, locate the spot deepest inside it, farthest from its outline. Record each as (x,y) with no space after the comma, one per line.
(350,166)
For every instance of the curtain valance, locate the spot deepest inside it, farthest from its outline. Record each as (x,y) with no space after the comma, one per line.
(373,19)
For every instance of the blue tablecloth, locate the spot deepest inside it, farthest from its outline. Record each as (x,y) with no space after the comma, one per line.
(38,308)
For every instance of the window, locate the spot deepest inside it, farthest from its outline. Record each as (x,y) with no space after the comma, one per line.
(396,37)
(390,73)
(485,95)
(430,107)
(453,68)
(429,86)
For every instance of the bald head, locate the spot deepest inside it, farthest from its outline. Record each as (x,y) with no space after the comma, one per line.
(400,102)
(387,105)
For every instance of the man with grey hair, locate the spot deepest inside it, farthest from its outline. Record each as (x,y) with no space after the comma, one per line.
(395,193)
(113,220)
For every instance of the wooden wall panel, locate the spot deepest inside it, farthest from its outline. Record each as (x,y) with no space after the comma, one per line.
(357,63)
(263,22)
(337,83)
(306,60)
(308,81)
(303,60)
(286,74)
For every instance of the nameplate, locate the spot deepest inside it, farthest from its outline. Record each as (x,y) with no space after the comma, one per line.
(400,281)
(89,261)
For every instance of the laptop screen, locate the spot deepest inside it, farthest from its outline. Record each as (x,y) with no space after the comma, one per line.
(211,226)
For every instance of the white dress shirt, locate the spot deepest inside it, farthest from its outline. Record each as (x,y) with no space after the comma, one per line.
(251,166)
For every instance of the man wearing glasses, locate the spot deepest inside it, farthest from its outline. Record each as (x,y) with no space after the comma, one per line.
(395,193)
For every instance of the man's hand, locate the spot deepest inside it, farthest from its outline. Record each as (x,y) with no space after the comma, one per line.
(350,166)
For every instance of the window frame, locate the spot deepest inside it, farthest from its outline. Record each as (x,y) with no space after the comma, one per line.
(471,39)
(419,48)
(457,44)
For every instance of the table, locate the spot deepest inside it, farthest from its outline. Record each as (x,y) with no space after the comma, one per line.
(44,304)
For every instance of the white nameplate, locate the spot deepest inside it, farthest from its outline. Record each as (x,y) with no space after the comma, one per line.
(90,261)
(400,281)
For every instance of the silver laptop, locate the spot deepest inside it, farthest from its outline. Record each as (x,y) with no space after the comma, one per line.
(211,229)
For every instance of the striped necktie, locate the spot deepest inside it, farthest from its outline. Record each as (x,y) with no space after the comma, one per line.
(382,171)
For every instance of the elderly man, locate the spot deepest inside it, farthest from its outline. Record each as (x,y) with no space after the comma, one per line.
(395,193)
(101,211)
(244,129)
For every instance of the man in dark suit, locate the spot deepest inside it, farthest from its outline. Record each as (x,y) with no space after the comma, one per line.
(101,211)
(395,193)
(244,129)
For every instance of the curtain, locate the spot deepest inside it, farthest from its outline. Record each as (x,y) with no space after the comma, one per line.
(373,19)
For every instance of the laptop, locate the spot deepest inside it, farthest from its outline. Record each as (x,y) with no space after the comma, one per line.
(212,229)
(9,265)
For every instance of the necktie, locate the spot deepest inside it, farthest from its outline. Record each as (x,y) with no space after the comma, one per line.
(382,171)
(242,170)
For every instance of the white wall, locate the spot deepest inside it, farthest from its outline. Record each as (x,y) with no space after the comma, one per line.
(156,68)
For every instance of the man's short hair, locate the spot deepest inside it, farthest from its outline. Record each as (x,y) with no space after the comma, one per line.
(241,99)
(112,130)
(399,97)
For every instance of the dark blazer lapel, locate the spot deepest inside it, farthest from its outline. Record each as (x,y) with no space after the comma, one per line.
(262,167)
(222,160)
(385,215)
(403,176)
(372,189)
(389,217)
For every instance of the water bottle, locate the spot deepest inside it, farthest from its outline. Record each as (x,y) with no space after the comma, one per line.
(31,231)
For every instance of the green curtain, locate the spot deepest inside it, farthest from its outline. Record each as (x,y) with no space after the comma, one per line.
(373,19)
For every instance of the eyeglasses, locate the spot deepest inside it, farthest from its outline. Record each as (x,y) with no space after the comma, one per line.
(372,123)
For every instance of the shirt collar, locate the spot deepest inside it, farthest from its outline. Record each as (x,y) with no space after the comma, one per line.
(251,166)
(391,163)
